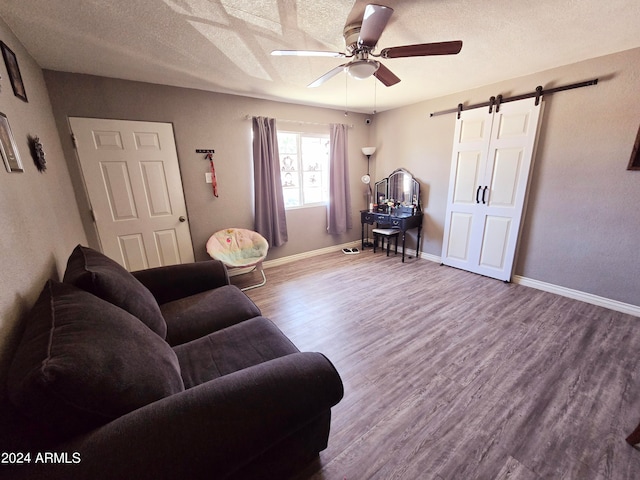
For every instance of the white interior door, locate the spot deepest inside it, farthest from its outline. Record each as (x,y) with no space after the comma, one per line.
(492,158)
(462,225)
(133,181)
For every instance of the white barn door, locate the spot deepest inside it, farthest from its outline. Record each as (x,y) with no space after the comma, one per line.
(491,161)
(133,181)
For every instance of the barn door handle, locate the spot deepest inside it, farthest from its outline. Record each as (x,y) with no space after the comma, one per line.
(478,194)
(484,191)
(182,219)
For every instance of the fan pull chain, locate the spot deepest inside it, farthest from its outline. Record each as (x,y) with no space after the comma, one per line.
(346,96)
(375,97)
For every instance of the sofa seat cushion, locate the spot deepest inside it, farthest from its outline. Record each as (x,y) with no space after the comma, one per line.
(232,349)
(83,362)
(96,273)
(198,315)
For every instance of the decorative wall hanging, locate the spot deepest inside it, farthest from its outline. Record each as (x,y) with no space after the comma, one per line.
(11,62)
(8,147)
(37,152)
(209,156)
(634,162)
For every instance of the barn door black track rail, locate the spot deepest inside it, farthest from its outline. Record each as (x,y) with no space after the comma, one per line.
(494,102)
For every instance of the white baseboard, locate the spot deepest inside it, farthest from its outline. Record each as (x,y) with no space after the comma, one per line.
(427,256)
(563,291)
(520,280)
(578,295)
(299,256)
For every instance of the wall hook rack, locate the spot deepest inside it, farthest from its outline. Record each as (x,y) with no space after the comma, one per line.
(208,155)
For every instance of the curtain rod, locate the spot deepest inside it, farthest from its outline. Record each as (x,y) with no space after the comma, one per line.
(496,101)
(301,122)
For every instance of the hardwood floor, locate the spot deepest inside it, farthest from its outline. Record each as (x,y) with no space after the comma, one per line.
(450,375)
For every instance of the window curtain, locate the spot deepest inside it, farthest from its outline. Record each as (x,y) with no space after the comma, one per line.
(339,210)
(270,218)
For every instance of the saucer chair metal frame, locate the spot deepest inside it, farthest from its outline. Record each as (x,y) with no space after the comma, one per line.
(240,249)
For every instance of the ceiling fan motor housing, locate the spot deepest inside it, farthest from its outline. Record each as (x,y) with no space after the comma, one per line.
(351,33)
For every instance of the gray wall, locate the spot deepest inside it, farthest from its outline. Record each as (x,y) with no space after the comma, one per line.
(580,229)
(209,120)
(39,220)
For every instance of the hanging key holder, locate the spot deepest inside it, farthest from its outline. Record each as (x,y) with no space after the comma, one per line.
(208,155)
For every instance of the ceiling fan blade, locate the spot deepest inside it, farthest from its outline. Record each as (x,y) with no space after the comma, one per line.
(386,76)
(307,53)
(373,22)
(331,73)
(423,49)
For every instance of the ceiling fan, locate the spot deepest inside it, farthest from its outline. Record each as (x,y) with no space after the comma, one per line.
(361,39)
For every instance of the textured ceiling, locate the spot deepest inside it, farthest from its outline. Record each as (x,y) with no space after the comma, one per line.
(224,45)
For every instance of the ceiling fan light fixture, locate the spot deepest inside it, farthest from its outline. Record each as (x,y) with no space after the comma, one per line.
(361,38)
(362,69)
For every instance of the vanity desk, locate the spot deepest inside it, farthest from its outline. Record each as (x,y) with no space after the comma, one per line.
(401,189)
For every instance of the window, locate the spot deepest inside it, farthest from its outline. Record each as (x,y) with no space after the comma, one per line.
(304,168)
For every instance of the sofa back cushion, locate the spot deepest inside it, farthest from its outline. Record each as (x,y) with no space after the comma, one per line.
(83,362)
(96,273)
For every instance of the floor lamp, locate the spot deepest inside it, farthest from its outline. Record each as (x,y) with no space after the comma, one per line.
(366,179)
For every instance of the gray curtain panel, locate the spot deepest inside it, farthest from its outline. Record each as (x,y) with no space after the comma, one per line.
(339,209)
(270,219)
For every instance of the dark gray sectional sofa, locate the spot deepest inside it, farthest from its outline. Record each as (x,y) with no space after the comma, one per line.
(166,373)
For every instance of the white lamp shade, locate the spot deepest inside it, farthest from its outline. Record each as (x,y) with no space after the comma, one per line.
(368,150)
(362,69)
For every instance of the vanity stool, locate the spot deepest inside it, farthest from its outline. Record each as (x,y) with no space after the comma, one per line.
(388,233)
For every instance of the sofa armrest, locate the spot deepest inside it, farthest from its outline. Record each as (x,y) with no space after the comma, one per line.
(210,430)
(172,282)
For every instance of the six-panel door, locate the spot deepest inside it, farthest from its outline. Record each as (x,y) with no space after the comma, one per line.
(133,181)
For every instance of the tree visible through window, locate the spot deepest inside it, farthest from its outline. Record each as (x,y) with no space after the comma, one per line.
(304,168)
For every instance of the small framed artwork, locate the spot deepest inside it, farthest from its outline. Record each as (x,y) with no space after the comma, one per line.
(11,62)
(8,147)
(634,162)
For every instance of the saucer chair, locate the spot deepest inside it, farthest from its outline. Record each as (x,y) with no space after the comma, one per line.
(239,248)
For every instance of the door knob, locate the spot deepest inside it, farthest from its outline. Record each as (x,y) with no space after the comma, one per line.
(182,219)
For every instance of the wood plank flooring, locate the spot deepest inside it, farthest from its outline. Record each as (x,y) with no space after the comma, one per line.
(450,375)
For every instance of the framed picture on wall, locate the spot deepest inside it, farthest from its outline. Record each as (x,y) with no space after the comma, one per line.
(634,163)
(8,147)
(11,62)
